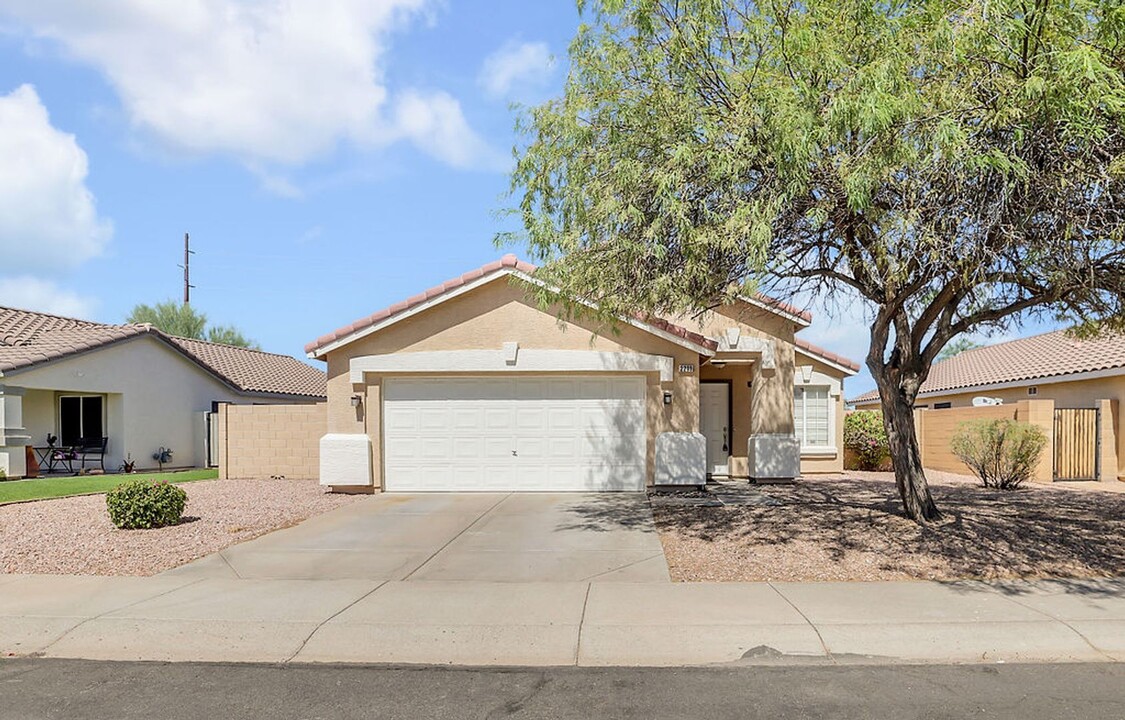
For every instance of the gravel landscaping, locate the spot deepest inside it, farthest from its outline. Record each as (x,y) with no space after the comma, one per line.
(73,536)
(850,527)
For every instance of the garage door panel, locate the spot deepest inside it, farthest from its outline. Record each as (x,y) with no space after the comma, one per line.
(503,434)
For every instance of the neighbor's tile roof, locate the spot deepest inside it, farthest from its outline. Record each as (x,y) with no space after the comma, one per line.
(511,261)
(30,338)
(254,370)
(1050,355)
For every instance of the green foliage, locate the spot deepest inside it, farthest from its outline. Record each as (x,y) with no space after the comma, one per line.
(956,347)
(865,436)
(3,474)
(230,335)
(185,321)
(955,165)
(145,504)
(1002,453)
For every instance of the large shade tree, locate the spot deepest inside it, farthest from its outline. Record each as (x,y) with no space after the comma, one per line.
(954,165)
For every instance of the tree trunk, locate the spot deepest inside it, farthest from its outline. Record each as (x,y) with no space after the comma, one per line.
(906,458)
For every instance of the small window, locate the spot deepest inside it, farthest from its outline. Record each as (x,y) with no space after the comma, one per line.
(943,405)
(812,416)
(921,407)
(1033,390)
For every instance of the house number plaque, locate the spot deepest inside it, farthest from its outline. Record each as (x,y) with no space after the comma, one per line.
(686,368)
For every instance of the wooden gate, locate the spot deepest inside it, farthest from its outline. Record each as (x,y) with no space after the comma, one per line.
(1077,444)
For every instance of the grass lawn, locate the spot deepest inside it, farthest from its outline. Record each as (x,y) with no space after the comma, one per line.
(56,487)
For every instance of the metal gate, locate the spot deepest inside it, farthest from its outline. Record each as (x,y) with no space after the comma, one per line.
(1077,444)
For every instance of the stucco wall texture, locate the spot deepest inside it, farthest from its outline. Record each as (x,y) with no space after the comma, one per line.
(499,311)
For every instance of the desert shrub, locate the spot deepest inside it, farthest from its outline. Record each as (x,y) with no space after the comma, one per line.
(1002,453)
(145,504)
(866,437)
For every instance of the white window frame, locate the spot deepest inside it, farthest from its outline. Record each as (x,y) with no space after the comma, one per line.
(806,449)
(807,377)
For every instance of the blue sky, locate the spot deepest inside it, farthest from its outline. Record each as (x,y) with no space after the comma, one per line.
(328,158)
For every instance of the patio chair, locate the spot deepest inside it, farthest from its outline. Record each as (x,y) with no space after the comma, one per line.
(92,449)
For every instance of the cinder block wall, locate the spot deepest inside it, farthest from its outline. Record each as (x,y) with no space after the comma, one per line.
(259,441)
(935,429)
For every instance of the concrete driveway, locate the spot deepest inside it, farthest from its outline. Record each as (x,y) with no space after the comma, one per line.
(510,537)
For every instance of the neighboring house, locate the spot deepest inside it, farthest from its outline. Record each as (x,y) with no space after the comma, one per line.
(1080,383)
(471,386)
(136,386)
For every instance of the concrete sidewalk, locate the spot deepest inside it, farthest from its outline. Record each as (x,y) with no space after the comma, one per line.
(180,618)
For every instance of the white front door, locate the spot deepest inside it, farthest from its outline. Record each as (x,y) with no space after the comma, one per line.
(546,433)
(714,421)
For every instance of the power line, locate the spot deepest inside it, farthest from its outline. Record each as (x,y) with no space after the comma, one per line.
(188,252)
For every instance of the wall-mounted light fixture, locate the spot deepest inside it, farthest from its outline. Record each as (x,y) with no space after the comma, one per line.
(667,397)
(356,400)
(719,363)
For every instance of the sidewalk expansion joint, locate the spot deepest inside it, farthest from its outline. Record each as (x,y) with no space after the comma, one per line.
(621,567)
(331,617)
(582,624)
(1065,624)
(827,653)
(453,539)
(126,606)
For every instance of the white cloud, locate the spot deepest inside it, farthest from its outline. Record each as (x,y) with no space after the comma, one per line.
(516,66)
(47,214)
(270,81)
(435,124)
(31,293)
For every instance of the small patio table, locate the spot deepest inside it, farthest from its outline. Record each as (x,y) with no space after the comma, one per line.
(51,457)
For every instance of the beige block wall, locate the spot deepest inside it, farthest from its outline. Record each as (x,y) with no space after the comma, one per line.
(935,430)
(1069,394)
(260,441)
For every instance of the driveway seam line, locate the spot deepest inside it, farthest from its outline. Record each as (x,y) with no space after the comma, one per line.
(451,540)
(126,606)
(824,645)
(227,561)
(582,624)
(622,567)
(331,617)
(1064,623)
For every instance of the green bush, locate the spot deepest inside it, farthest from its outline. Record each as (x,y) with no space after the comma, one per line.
(1002,453)
(866,437)
(145,504)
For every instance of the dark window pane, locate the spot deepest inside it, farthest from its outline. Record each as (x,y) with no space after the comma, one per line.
(92,418)
(70,420)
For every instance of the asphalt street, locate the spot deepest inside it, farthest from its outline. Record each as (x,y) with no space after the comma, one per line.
(31,689)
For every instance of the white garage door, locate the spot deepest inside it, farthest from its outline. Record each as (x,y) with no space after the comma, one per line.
(514,433)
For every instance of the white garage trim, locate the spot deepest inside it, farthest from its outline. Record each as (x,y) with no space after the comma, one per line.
(497,433)
(490,361)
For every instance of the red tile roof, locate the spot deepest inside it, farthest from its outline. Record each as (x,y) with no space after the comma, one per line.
(783,307)
(1050,355)
(511,261)
(30,338)
(823,354)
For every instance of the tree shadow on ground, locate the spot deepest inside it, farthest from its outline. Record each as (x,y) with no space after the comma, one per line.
(858,525)
(608,512)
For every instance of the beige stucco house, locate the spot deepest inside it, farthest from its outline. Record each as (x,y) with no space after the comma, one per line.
(140,389)
(471,386)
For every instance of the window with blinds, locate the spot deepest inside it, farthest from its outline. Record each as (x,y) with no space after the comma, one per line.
(811,416)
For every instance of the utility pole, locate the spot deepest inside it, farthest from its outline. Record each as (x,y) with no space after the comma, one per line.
(188,252)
